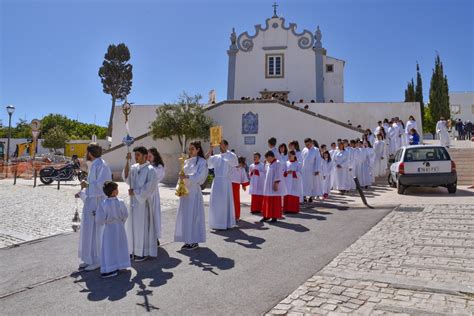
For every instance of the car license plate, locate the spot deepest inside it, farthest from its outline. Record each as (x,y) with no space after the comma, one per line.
(428,169)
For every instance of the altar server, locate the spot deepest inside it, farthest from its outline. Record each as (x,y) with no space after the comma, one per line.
(341,163)
(327,167)
(140,226)
(442,131)
(221,204)
(112,214)
(273,190)
(239,178)
(257,180)
(311,167)
(380,164)
(190,221)
(293,183)
(157,163)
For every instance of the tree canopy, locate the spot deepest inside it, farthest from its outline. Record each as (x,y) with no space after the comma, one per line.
(185,120)
(116,76)
(55,138)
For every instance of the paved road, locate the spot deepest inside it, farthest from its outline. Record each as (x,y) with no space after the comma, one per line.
(242,271)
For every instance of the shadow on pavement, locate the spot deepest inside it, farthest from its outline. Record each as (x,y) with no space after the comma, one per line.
(305,215)
(117,288)
(208,260)
(290,226)
(238,236)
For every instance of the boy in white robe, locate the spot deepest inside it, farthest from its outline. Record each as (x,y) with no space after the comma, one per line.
(380,164)
(293,183)
(442,131)
(341,163)
(140,226)
(221,204)
(92,195)
(311,164)
(257,180)
(272,146)
(327,167)
(190,220)
(274,189)
(112,214)
(239,178)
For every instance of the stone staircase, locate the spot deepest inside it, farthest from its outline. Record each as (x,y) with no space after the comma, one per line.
(464,159)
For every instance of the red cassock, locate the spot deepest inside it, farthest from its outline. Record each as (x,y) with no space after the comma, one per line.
(291,203)
(239,177)
(272,200)
(256,199)
(271,207)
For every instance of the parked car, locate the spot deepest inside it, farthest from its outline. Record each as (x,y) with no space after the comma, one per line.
(423,166)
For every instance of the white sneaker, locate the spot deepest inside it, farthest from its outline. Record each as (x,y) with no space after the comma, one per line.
(83,265)
(92,267)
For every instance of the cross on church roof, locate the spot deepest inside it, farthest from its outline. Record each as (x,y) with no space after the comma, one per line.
(275,5)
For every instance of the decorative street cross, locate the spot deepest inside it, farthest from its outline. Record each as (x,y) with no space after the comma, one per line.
(275,5)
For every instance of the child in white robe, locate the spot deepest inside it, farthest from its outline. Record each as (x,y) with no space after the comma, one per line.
(239,178)
(190,220)
(293,183)
(112,214)
(257,180)
(380,164)
(341,164)
(327,171)
(156,161)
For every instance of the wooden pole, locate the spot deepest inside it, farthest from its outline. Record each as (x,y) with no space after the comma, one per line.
(15,174)
(59,183)
(35,174)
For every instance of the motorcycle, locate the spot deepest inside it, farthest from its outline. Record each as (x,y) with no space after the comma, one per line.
(69,172)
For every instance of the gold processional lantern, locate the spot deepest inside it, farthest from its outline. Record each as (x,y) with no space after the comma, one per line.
(181,189)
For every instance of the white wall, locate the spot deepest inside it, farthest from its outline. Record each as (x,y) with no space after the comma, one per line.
(466,102)
(299,66)
(367,114)
(333,81)
(15,141)
(274,120)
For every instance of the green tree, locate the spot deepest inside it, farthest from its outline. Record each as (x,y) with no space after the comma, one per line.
(429,124)
(116,76)
(55,139)
(185,120)
(410,92)
(419,93)
(75,129)
(439,93)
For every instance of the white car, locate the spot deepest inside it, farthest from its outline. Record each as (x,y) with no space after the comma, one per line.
(423,166)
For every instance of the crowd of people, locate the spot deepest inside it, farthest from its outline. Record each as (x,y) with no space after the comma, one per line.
(279,180)
(463,129)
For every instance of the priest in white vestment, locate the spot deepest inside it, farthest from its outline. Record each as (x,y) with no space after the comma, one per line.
(92,195)
(221,204)
(442,131)
(140,225)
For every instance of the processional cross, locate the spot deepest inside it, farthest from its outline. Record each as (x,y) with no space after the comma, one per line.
(275,5)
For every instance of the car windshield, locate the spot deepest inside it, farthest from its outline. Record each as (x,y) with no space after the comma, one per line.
(426,154)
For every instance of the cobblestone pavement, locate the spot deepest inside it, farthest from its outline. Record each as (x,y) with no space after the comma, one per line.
(28,213)
(417,260)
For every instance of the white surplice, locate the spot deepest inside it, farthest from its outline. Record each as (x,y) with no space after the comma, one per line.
(293,178)
(341,165)
(442,131)
(257,178)
(327,170)
(91,233)
(160,175)
(392,135)
(114,255)
(190,221)
(311,163)
(221,204)
(380,163)
(140,226)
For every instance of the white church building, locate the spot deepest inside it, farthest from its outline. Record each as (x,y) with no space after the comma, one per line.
(281,83)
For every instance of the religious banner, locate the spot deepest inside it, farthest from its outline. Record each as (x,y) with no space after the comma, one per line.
(249,123)
(216,135)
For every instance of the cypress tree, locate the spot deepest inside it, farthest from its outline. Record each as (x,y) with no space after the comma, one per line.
(439,92)
(410,92)
(419,92)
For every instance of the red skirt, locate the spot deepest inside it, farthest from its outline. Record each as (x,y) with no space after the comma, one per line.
(271,207)
(291,204)
(256,205)
(236,194)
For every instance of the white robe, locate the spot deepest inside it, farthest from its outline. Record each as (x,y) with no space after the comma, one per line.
(442,131)
(367,157)
(353,160)
(257,178)
(356,165)
(327,168)
(333,152)
(311,163)
(140,225)
(160,175)
(293,178)
(93,195)
(380,163)
(239,175)
(340,181)
(274,173)
(392,137)
(190,221)
(221,204)
(114,255)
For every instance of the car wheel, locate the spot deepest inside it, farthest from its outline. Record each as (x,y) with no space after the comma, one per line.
(452,188)
(400,188)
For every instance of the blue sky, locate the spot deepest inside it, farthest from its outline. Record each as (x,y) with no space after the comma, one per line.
(51,50)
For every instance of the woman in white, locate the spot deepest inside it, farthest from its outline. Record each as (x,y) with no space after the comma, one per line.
(327,171)
(368,157)
(442,131)
(156,161)
(190,221)
(380,164)
(341,163)
(411,123)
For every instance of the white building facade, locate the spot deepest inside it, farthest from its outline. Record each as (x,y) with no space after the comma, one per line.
(462,105)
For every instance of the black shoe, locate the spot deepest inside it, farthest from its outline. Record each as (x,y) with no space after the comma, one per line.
(264,219)
(157,243)
(310,200)
(193,246)
(140,259)
(109,274)
(273,220)
(185,246)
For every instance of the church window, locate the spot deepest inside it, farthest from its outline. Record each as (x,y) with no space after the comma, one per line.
(274,66)
(329,68)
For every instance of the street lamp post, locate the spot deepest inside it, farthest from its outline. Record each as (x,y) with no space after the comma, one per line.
(10,110)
